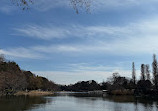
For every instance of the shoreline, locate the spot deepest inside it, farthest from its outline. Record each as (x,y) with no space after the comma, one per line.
(34,93)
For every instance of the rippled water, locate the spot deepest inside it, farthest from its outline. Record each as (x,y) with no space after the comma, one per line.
(77,102)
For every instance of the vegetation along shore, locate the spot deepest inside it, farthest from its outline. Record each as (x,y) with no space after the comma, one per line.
(14,81)
(34,93)
(147,85)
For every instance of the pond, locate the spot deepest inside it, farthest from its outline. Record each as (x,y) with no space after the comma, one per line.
(76,102)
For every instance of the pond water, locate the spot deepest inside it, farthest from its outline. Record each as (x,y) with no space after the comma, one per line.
(76,102)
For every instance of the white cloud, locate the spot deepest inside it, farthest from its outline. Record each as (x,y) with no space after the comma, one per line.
(71,77)
(7,9)
(132,39)
(43,32)
(108,5)
(130,46)
(139,29)
(139,37)
(63,77)
(120,47)
(79,67)
(44,5)
(7,6)
(51,32)
(21,53)
(104,5)
(40,32)
(84,72)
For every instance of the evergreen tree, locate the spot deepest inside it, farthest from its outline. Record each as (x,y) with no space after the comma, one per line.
(142,72)
(155,70)
(147,71)
(133,73)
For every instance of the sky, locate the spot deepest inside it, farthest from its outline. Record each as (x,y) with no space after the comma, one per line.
(51,40)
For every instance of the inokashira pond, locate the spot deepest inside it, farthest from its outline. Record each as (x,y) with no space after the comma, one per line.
(76,102)
(78,55)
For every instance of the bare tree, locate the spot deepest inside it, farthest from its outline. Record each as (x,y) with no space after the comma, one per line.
(23,3)
(76,4)
(147,71)
(142,72)
(133,73)
(81,4)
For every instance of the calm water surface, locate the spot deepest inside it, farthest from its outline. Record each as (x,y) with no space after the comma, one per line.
(76,102)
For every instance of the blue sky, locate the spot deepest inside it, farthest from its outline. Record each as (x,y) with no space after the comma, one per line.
(51,40)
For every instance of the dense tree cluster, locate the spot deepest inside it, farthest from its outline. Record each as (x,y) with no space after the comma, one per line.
(122,85)
(82,86)
(144,86)
(117,82)
(12,78)
(37,82)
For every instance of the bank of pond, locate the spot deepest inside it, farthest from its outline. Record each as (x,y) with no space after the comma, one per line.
(75,101)
(15,81)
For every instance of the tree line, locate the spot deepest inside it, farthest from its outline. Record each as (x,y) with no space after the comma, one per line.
(145,73)
(116,84)
(12,78)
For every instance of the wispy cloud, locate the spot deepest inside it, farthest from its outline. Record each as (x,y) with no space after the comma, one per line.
(126,47)
(40,32)
(79,67)
(84,72)
(51,32)
(138,29)
(7,7)
(73,77)
(135,38)
(118,3)
(104,5)
(44,5)
(21,53)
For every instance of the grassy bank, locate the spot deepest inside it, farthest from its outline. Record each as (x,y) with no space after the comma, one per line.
(34,93)
(122,92)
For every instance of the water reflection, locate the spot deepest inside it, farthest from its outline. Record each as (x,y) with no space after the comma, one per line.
(77,102)
(118,103)
(21,103)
